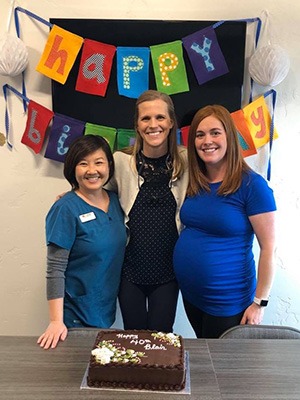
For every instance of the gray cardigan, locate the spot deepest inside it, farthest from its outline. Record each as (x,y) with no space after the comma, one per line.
(125,183)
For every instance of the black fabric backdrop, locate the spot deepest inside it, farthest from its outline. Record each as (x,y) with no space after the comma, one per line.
(117,111)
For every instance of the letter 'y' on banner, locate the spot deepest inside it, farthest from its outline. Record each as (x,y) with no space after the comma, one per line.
(169,67)
(132,70)
(205,55)
(95,67)
(38,120)
(63,132)
(59,54)
(259,121)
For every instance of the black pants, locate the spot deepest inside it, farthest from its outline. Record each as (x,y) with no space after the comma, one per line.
(150,307)
(209,326)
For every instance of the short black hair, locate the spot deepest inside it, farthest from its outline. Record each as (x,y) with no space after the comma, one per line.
(79,149)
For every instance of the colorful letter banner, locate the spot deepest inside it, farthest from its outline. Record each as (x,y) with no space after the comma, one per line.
(169,67)
(105,131)
(64,131)
(245,138)
(59,54)
(258,121)
(95,67)
(205,55)
(125,138)
(132,70)
(185,135)
(38,120)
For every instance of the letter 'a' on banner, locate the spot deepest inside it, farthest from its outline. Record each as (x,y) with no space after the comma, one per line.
(132,70)
(59,54)
(258,120)
(38,120)
(95,67)
(106,132)
(169,67)
(63,132)
(245,138)
(205,54)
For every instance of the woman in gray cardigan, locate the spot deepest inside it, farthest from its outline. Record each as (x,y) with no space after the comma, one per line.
(151,180)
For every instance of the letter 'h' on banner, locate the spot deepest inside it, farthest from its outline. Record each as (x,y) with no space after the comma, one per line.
(59,54)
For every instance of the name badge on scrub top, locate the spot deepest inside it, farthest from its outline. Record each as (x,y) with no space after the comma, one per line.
(87,217)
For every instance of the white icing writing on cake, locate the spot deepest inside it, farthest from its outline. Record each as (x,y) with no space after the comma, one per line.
(124,336)
(140,341)
(154,347)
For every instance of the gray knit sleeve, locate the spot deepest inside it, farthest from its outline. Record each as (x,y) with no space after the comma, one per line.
(57,261)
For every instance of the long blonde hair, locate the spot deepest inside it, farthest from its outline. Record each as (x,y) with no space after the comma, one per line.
(177,160)
(235,163)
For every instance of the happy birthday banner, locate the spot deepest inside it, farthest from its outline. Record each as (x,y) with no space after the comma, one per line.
(254,123)
(133,63)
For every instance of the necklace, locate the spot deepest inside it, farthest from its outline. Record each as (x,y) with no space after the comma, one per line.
(156,172)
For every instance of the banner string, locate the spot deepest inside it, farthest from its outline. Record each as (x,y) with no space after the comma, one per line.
(272,127)
(5,88)
(17,25)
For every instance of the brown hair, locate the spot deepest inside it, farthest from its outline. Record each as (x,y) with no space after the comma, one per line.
(151,95)
(235,163)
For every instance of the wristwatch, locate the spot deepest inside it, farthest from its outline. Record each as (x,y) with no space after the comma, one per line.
(260,302)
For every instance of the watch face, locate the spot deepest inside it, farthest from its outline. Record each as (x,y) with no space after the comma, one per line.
(264,303)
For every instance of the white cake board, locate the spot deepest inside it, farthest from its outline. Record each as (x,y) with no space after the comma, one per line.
(185,390)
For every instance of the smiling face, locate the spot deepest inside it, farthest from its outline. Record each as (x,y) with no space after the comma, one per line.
(92,172)
(153,125)
(211,142)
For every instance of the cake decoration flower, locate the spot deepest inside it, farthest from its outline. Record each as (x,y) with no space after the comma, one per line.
(170,338)
(107,352)
(102,355)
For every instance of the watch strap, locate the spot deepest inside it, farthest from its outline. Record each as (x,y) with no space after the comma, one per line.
(260,302)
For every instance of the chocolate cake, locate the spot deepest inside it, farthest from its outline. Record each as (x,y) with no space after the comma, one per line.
(137,360)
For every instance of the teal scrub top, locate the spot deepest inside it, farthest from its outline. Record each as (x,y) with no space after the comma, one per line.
(96,241)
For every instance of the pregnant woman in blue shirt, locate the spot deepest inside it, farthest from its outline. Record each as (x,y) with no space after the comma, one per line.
(86,240)
(227,204)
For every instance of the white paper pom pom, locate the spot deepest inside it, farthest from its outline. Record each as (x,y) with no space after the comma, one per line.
(13,56)
(269,65)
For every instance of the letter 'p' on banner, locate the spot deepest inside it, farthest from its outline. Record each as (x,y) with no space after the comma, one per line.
(169,67)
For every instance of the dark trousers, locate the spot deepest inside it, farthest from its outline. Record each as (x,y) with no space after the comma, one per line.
(150,307)
(209,326)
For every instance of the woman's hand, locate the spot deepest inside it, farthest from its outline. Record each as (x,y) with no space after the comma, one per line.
(59,196)
(253,315)
(55,332)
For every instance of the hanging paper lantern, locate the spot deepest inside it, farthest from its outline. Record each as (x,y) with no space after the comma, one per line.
(269,65)
(13,56)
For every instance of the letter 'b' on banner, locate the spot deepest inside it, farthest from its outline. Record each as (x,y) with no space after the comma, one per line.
(169,67)
(38,120)
(59,54)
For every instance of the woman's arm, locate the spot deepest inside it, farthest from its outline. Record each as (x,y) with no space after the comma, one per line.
(57,261)
(56,329)
(264,229)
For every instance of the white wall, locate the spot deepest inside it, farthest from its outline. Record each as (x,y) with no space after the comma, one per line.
(29,183)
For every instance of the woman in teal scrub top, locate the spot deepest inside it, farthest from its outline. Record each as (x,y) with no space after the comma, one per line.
(86,240)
